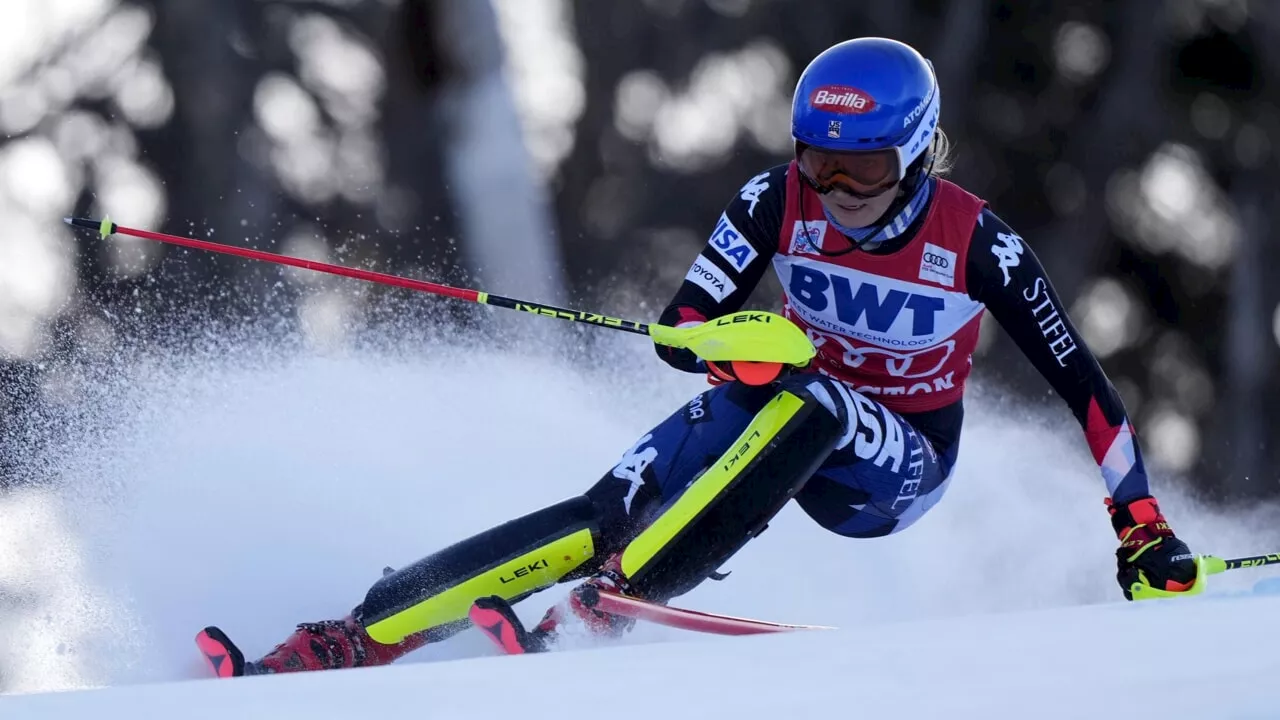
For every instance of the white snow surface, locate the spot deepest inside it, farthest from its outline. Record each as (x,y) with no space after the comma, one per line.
(255,488)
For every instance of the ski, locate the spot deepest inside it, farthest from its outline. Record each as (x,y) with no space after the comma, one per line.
(498,621)
(224,658)
(495,617)
(685,619)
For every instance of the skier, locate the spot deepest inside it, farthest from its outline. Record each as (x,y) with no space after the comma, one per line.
(888,268)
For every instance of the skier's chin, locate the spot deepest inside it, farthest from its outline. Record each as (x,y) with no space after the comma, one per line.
(854,213)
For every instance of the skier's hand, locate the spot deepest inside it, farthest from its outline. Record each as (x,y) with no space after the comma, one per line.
(720,371)
(1149,551)
(683,359)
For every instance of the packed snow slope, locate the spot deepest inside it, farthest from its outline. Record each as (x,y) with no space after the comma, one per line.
(1166,662)
(254,488)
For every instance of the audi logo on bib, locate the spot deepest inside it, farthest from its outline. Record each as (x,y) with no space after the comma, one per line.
(937,260)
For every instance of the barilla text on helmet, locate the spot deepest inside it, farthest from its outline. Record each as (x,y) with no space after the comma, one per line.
(848,100)
(842,100)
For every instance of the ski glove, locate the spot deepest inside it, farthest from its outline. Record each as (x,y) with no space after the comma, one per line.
(1149,551)
(719,372)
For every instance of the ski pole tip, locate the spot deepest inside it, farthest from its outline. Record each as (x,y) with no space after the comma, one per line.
(104,226)
(90,224)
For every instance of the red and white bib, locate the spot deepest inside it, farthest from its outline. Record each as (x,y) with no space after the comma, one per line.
(901,327)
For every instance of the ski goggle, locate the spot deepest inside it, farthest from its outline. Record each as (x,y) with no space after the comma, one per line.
(863,174)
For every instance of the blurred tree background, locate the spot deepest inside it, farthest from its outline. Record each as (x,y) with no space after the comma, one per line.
(580,151)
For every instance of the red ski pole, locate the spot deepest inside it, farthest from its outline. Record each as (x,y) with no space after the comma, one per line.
(107,228)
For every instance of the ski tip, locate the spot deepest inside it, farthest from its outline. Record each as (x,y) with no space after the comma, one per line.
(494,617)
(224,658)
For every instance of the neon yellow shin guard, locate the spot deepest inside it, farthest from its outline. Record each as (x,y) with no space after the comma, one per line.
(511,560)
(734,499)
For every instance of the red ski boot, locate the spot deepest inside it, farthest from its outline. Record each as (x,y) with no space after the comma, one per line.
(327,645)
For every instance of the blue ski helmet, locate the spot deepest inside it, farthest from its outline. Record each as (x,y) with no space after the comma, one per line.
(872,96)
